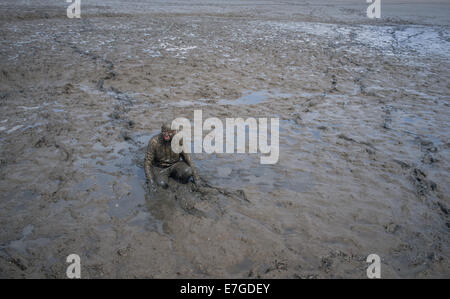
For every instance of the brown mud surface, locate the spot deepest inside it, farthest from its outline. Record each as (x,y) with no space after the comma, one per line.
(364,138)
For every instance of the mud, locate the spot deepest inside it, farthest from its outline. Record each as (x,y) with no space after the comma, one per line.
(364,150)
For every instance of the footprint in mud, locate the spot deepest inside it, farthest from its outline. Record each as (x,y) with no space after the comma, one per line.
(426,146)
(429,150)
(422,184)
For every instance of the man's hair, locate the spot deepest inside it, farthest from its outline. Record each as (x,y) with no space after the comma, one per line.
(165,127)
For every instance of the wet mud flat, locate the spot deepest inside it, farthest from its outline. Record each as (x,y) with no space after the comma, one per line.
(364,139)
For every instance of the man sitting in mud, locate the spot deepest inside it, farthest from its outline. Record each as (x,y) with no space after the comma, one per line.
(161,162)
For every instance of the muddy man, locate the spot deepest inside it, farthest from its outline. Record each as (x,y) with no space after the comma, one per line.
(161,162)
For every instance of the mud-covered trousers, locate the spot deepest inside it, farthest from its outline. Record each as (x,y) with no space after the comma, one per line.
(179,171)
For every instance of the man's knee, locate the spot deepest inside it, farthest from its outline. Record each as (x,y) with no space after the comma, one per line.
(162,183)
(185,173)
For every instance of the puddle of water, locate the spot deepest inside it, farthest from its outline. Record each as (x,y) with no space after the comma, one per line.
(254,97)
(116,186)
(242,170)
(249,99)
(316,134)
(14,128)
(25,197)
(184,103)
(20,245)
(126,206)
(411,119)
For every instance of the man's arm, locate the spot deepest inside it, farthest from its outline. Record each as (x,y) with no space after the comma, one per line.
(188,159)
(149,157)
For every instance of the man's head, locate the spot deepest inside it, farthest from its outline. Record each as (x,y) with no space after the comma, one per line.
(166,132)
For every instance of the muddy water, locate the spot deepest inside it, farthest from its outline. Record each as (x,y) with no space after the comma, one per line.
(363,166)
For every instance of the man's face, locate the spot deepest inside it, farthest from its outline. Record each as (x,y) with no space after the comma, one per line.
(168,134)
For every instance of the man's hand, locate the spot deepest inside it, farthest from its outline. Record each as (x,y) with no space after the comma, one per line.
(196,180)
(199,183)
(151,185)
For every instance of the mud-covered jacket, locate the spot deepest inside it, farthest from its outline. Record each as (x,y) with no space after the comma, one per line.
(160,154)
